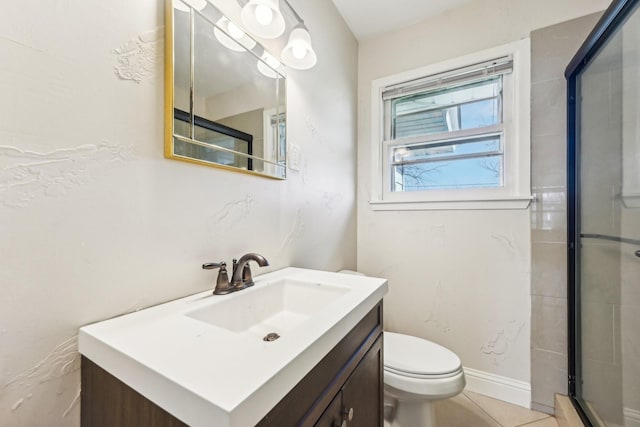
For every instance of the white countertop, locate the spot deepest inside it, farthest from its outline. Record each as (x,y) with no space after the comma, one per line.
(206,375)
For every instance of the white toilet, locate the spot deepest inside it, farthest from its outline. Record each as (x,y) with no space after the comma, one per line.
(417,372)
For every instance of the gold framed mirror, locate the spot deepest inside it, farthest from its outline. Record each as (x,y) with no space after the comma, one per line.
(225,95)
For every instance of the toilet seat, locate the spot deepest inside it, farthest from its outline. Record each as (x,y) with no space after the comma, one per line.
(418,358)
(416,369)
(421,376)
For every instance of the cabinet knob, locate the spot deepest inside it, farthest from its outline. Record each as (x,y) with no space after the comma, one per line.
(349,413)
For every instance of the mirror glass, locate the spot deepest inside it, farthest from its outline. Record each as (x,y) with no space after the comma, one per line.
(227,100)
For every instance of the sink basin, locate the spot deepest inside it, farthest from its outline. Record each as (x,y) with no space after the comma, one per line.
(202,358)
(276,307)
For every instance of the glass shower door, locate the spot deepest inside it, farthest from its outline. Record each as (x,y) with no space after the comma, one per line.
(606,228)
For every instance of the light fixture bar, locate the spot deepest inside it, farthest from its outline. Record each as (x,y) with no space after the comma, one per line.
(293,11)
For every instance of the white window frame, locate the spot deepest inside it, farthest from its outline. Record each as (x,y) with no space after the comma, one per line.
(516,190)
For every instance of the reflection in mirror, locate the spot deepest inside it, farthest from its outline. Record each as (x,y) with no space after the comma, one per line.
(225,95)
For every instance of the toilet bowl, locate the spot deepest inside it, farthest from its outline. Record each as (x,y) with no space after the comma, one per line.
(417,372)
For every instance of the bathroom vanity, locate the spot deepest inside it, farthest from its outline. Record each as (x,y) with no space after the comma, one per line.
(202,360)
(347,384)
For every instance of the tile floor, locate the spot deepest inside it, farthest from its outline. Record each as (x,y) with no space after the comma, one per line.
(476,410)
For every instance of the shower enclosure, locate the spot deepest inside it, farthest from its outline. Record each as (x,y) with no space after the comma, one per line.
(603,201)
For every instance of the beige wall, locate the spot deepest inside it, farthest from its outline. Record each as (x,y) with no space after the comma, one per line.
(460,278)
(94,222)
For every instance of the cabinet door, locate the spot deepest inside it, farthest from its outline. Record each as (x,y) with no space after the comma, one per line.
(332,416)
(362,394)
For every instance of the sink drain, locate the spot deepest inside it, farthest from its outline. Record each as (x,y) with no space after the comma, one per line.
(272,336)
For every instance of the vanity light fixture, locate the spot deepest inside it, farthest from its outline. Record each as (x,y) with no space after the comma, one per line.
(263,18)
(298,52)
(268,59)
(183,5)
(232,36)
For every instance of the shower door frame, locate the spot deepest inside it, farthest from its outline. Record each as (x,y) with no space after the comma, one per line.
(611,20)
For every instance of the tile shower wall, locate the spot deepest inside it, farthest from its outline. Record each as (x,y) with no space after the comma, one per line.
(610,357)
(94,222)
(601,184)
(551,50)
(628,313)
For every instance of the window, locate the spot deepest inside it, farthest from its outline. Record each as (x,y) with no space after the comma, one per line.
(454,135)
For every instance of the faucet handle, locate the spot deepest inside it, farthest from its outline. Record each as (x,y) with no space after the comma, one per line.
(213,265)
(223,286)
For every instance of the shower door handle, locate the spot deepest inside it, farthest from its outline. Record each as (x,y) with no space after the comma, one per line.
(613,239)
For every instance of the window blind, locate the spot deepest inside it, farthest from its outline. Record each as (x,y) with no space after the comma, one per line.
(490,68)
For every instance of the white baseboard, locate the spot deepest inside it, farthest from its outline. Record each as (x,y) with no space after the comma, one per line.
(631,417)
(499,387)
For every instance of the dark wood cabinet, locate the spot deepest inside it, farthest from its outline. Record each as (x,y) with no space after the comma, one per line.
(358,402)
(108,402)
(332,416)
(362,395)
(348,378)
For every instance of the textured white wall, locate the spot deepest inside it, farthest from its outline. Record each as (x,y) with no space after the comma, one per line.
(459,278)
(94,222)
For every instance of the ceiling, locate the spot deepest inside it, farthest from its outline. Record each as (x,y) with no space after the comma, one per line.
(368,18)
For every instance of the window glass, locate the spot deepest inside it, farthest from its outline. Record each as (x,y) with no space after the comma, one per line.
(473,163)
(452,108)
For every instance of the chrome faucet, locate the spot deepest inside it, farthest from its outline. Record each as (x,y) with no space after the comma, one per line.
(241,277)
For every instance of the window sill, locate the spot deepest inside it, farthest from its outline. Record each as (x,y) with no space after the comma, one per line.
(516,202)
